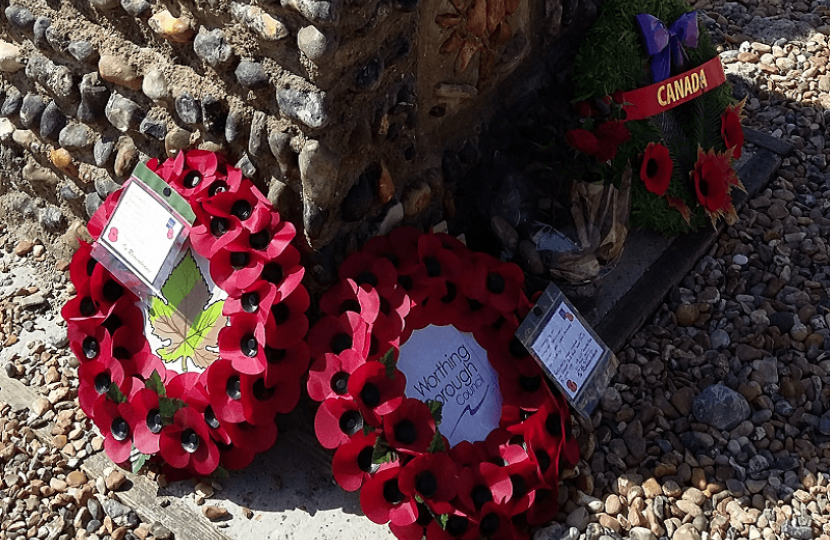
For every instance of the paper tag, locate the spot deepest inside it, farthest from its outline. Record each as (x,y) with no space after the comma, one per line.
(568,349)
(445,365)
(145,232)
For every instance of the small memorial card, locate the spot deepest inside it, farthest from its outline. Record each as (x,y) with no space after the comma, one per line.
(141,241)
(446,365)
(568,349)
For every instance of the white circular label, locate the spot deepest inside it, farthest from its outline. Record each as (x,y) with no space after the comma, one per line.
(446,365)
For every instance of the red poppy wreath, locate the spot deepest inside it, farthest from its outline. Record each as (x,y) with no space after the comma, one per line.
(195,381)
(383,401)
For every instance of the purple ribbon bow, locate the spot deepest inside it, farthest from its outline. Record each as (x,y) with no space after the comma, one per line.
(665,46)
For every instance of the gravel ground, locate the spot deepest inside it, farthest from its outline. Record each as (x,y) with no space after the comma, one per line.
(717,423)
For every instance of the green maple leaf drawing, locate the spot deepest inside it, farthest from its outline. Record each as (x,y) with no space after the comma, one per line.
(185,319)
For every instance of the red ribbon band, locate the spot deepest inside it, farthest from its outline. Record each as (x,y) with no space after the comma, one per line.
(668,94)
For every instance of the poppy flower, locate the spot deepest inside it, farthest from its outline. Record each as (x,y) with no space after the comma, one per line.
(436,266)
(346,295)
(606,150)
(271,240)
(113,420)
(235,457)
(186,443)
(192,172)
(211,233)
(584,109)
(416,530)
(613,131)
(656,169)
(583,140)
(235,271)
(400,247)
(524,480)
(82,265)
(496,524)
(123,313)
(228,179)
(329,374)
(391,316)
(544,508)
(88,343)
(191,388)
(105,289)
(338,333)
(242,343)
(467,454)
(257,299)
(286,321)
(482,483)
(494,283)
(144,415)
(352,462)
(132,350)
(369,270)
(226,391)
(99,219)
(250,437)
(410,427)
(460,526)
(245,205)
(434,478)
(374,392)
(95,378)
(285,365)
(337,419)
(83,310)
(523,385)
(382,500)
(732,131)
(283,271)
(714,177)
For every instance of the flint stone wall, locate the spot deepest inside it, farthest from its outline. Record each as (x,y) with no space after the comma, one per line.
(341,111)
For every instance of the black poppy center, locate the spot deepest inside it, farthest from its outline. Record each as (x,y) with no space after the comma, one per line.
(405,282)
(340,382)
(102,382)
(652,167)
(370,394)
(426,484)
(239,259)
(433,266)
(489,524)
(452,291)
(480,495)
(350,305)
(543,459)
(154,423)
(281,313)
(192,179)
(250,302)
(457,525)
(367,278)
(91,347)
(113,323)
(190,441)
(274,356)
(519,486)
(340,343)
(272,273)
(233,388)
(364,459)
(704,187)
(120,429)
(384,307)
(90,266)
(391,491)
(516,348)
(210,418)
(262,392)
(112,290)
(248,345)
(351,422)
(553,425)
(242,209)
(260,240)
(217,187)
(121,353)
(405,432)
(530,384)
(475,305)
(393,259)
(218,226)
(87,306)
(495,283)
